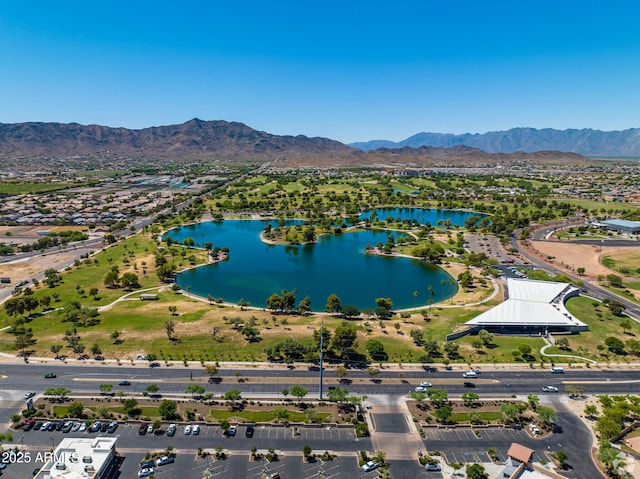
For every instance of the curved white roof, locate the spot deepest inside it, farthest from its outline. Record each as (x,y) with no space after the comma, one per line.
(531,303)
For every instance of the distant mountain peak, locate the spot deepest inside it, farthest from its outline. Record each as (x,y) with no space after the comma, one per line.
(584,141)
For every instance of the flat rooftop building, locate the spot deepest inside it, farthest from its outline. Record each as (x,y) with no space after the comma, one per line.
(532,307)
(625,226)
(81,458)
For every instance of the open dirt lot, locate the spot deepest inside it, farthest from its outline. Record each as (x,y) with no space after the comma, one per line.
(570,256)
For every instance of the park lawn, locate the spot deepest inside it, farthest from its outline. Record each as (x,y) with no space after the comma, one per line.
(262,416)
(627,263)
(145,411)
(600,327)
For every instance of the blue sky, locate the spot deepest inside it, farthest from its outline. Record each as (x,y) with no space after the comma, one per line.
(348,70)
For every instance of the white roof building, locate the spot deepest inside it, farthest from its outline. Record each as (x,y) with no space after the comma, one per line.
(532,307)
(81,458)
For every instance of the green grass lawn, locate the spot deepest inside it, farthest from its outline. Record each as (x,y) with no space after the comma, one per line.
(262,416)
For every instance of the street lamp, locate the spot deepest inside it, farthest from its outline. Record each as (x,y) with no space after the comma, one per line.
(321,347)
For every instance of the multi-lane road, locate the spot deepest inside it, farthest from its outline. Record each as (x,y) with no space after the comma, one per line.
(255,381)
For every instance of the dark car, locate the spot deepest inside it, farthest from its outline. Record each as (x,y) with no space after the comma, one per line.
(147,464)
(37,425)
(249,431)
(124,383)
(50,375)
(59,425)
(112,427)
(104,426)
(51,426)
(468,384)
(154,365)
(142,430)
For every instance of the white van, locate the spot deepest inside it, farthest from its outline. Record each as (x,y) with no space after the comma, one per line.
(469,374)
(557,370)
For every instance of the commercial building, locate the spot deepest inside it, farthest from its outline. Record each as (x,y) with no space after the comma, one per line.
(81,458)
(532,307)
(623,226)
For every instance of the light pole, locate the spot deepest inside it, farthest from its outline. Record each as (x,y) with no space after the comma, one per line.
(321,347)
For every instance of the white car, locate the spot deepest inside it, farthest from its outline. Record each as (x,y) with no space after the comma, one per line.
(196,430)
(550,389)
(147,471)
(425,384)
(187,430)
(150,429)
(29,395)
(83,427)
(469,374)
(421,389)
(370,466)
(165,460)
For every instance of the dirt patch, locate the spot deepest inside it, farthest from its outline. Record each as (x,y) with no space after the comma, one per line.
(570,256)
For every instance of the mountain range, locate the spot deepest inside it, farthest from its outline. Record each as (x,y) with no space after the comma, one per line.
(586,142)
(197,140)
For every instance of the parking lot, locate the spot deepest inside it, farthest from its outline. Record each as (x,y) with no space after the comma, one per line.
(287,441)
(459,442)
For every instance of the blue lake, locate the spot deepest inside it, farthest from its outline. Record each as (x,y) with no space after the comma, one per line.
(335,264)
(422,215)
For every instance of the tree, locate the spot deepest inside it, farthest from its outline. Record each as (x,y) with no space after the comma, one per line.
(438,397)
(451,349)
(106,388)
(341,372)
(111,279)
(152,388)
(338,395)
(168,409)
(562,459)
(418,397)
(232,395)
(129,280)
(469,398)
(299,392)
(591,411)
(344,338)
(376,350)
(509,412)
(55,349)
(173,310)
(195,390)
(304,306)
(546,414)
(250,332)
(130,407)
(75,409)
(485,336)
(373,372)
(334,305)
(95,349)
(476,471)
(443,413)
(306,451)
(211,370)
(563,343)
(350,311)
(169,327)
(533,401)
(615,345)
(281,414)
(116,337)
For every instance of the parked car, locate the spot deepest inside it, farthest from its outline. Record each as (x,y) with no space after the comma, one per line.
(147,471)
(50,375)
(83,427)
(147,465)
(550,389)
(370,466)
(249,431)
(165,460)
(187,430)
(124,383)
(37,425)
(67,426)
(29,395)
(171,430)
(432,467)
(27,426)
(95,427)
(232,431)
(104,426)
(150,429)
(111,428)
(196,430)
(44,426)
(142,430)
(76,426)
